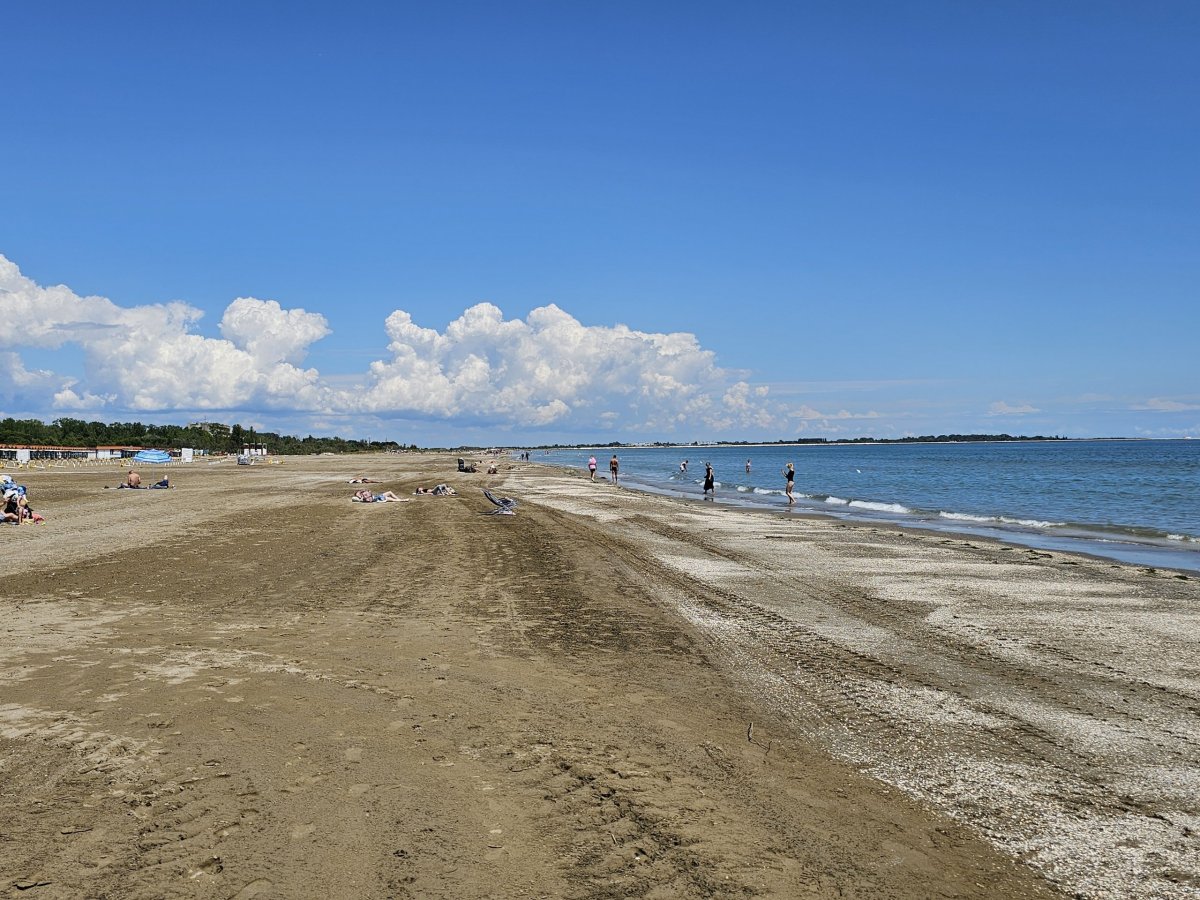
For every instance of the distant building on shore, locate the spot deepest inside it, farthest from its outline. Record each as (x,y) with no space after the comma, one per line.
(216,429)
(26,452)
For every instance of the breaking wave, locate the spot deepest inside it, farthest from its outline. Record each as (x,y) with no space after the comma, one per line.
(1002,520)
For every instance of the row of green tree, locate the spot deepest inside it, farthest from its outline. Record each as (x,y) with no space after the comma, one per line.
(78,433)
(922,439)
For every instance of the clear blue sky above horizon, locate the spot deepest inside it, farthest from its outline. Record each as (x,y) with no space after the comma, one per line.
(872,218)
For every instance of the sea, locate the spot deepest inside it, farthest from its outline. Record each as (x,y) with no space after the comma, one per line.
(1134,501)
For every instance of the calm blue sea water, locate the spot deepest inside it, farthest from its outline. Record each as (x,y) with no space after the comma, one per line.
(1135,501)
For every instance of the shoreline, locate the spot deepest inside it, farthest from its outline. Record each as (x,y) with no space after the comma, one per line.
(1005,640)
(250,684)
(995,541)
(1089,541)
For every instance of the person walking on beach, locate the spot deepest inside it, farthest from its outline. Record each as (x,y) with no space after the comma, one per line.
(613,468)
(592,467)
(789,473)
(710,482)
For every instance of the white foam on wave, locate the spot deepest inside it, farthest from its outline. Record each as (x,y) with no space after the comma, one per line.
(1185,538)
(1029,523)
(880,507)
(770,492)
(966,517)
(1003,520)
(836,501)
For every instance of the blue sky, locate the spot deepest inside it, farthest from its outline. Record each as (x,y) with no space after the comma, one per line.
(688,221)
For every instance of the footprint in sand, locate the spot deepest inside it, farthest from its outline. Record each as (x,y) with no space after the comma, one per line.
(211,866)
(303,831)
(304,781)
(260,887)
(354,754)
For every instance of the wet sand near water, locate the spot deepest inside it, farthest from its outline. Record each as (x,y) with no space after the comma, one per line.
(248,686)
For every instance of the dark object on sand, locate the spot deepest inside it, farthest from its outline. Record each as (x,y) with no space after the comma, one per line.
(505,506)
(464,466)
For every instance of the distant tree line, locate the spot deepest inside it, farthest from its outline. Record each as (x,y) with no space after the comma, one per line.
(212,437)
(923,439)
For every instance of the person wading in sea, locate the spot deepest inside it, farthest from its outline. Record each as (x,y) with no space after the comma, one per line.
(790,474)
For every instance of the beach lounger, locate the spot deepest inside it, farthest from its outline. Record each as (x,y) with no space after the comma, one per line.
(505,506)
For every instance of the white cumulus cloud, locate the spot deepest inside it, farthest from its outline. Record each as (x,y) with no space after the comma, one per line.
(147,358)
(1000,408)
(807,413)
(551,369)
(270,333)
(547,369)
(1158,404)
(17,382)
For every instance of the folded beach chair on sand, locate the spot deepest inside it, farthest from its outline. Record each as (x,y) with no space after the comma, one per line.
(505,506)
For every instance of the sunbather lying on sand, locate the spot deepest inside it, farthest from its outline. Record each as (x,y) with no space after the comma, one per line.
(442,490)
(385,497)
(157,486)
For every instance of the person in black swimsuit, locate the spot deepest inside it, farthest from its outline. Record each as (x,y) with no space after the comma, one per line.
(709,482)
(790,474)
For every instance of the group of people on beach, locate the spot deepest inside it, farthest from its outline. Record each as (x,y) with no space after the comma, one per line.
(16,509)
(710,477)
(366,495)
(710,491)
(614,468)
(133,481)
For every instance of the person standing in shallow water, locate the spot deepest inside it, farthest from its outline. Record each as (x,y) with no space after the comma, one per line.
(747,467)
(613,468)
(592,467)
(710,482)
(790,474)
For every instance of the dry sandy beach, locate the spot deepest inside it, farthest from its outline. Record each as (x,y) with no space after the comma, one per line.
(248,686)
